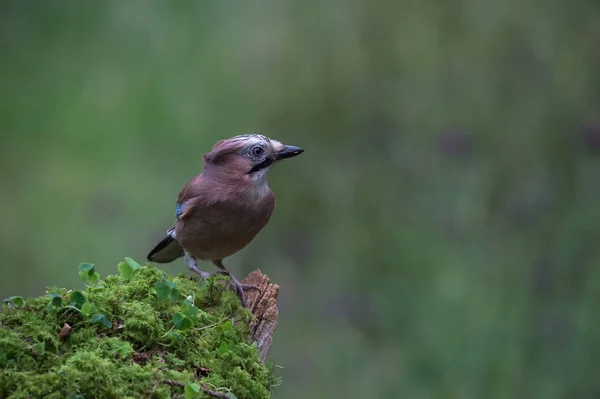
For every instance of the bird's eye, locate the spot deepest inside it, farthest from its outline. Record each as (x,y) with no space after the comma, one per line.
(257,151)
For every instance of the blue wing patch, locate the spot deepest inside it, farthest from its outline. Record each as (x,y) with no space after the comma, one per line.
(178,210)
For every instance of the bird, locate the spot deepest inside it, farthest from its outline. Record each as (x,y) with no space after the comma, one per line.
(221,210)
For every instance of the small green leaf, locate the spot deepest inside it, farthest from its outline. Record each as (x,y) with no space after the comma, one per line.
(182,322)
(93,279)
(86,270)
(129,269)
(74,395)
(254,345)
(55,300)
(162,290)
(55,303)
(88,274)
(87,267)
(87,309)
(16,301)
(125,270)
(174,294)
(39,348)
(191,391)
(226,326)
(77,299)
(170,284)
(189,310)
(230,395)
(3,357)
(52,310)
(166,289)
(223,348)
(99,318)
(134,265)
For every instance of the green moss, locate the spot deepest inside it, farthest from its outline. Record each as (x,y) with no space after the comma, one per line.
(130,347)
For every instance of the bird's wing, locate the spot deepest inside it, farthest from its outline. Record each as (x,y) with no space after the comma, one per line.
(197,192)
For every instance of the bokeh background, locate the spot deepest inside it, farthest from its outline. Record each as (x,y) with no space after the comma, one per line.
(440,236)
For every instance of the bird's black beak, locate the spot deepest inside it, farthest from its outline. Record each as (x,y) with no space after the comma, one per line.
(288,151)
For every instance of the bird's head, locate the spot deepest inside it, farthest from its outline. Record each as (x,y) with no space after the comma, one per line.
(248,155)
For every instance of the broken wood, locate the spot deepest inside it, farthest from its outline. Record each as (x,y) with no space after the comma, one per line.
(65,331)
(263,304)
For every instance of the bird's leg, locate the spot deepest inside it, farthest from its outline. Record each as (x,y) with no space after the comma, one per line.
(238,287)
(193,266)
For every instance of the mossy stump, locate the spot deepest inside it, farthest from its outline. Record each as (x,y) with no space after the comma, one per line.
(140,334)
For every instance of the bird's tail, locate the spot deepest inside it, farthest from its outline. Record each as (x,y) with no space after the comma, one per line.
(167,250)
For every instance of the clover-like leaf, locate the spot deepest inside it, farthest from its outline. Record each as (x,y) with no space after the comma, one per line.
(162,290)
(88,274)
(191,391)
(16,301)
(125,270)
(77,299)
(174,294)
(87,267)
(53,304)
(189,310)
(166,289)
(227,326)
(129,269)
(170,284)
(55,300)
(100,318)
(88,308)
(93,279)
(182,322)
(86,270)
(134,265)
(223,348)
(51,310)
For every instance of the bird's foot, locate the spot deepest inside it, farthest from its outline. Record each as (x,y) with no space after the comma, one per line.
(239,288)
(235,285)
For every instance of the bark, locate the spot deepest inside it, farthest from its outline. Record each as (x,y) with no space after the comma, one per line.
(263,304)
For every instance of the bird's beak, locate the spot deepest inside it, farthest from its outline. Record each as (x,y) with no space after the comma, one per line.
(288,151)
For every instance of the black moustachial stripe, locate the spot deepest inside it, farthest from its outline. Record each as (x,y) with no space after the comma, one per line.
(264,164)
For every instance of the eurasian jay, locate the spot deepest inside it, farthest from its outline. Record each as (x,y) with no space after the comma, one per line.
(220,211)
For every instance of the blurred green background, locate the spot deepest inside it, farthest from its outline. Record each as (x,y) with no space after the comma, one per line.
(440,236)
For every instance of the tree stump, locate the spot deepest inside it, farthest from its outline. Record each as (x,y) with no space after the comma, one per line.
(263,304)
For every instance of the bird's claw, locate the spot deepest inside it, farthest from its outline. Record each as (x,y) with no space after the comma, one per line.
(251,287)
(235,285)
(238,288)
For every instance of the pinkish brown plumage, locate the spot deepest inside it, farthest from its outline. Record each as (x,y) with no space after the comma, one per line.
(220,211)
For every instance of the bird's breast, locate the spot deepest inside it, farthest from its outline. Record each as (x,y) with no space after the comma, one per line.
(221,229)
